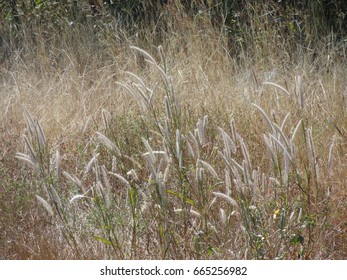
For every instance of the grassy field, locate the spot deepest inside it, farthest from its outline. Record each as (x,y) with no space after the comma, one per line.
(183,145)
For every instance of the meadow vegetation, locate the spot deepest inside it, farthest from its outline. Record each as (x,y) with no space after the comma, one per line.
(196,134)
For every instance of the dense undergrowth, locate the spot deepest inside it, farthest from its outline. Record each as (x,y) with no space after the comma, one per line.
(173,143)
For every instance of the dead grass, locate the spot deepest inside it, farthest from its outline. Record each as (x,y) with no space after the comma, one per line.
(178,192)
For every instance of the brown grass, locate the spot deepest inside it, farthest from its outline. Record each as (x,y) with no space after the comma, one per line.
(207,207)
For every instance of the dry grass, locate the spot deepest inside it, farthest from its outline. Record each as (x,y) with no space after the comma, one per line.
(127,166)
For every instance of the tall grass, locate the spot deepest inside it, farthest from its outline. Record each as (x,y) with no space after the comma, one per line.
(171,147)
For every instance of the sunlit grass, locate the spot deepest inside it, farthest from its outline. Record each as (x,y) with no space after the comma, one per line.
(140,149)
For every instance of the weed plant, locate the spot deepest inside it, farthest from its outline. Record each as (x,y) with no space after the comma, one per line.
(174,143)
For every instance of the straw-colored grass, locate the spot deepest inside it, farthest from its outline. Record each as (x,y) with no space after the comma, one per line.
(131,148)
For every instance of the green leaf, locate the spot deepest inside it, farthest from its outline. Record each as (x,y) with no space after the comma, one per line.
(103,240)
(133,197)
(186,199)
(210,251)
(297,239)
(292,27)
